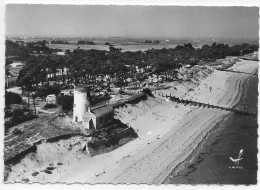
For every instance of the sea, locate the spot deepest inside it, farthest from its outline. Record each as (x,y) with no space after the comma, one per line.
(236,134)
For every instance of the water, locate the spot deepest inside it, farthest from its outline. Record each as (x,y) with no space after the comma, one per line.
(211,164)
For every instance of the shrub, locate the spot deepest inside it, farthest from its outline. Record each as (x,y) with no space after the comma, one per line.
(49,106)
(12,98)
(8,112)
(47,171)
(35,173)
(17,131)
(25,180)
(148,92)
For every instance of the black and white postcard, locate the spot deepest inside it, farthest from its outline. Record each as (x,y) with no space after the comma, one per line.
(130,94)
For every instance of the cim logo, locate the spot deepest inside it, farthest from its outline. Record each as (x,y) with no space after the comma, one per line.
(236,161)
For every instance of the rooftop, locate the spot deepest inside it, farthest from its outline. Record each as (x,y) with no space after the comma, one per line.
(101,111)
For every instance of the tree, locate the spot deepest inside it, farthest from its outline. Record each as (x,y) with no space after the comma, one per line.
(12,98)
(26,82)
(34,97)
(8,61)
(7,72)
(141,77)
(114,50)
(67,52)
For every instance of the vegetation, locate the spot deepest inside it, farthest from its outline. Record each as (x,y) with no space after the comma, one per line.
(45,91)
(108,44)
(8,112)
(12,98)
(15,50)
(17,131)
(86,42)
(59,42)
(148,92)
(67,103)
(42,128)
(85,66)
(19,116)
(150,41)
(49,106)
(23,51)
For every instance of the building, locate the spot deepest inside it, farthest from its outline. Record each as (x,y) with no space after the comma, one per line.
(91,118)
(81,102)
(98,117)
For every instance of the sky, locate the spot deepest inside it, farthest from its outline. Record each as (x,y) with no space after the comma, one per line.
(131,21)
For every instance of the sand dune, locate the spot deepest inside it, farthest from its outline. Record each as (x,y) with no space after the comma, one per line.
(243,66)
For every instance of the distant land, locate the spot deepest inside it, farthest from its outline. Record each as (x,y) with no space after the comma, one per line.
(132,43)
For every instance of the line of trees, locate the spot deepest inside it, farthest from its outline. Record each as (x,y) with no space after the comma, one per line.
(86,65)
(86,42)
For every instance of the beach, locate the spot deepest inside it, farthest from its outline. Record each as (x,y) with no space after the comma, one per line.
(210,163)
(168,134)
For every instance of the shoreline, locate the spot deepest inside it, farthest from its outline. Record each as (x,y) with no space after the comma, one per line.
(189,164)
(187,171)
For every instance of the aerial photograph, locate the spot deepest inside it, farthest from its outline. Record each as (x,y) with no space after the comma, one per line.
(133,94)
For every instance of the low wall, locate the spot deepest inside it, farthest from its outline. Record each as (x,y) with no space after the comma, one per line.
(132,100)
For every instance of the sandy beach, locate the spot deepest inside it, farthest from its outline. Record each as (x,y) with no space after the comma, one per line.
(167,134)
(210,162)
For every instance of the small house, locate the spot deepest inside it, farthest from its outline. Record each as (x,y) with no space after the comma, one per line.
(98,117)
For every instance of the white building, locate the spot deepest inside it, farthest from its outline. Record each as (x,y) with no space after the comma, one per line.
(81,102)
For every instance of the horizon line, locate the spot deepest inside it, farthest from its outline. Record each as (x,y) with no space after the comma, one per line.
(135,37)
